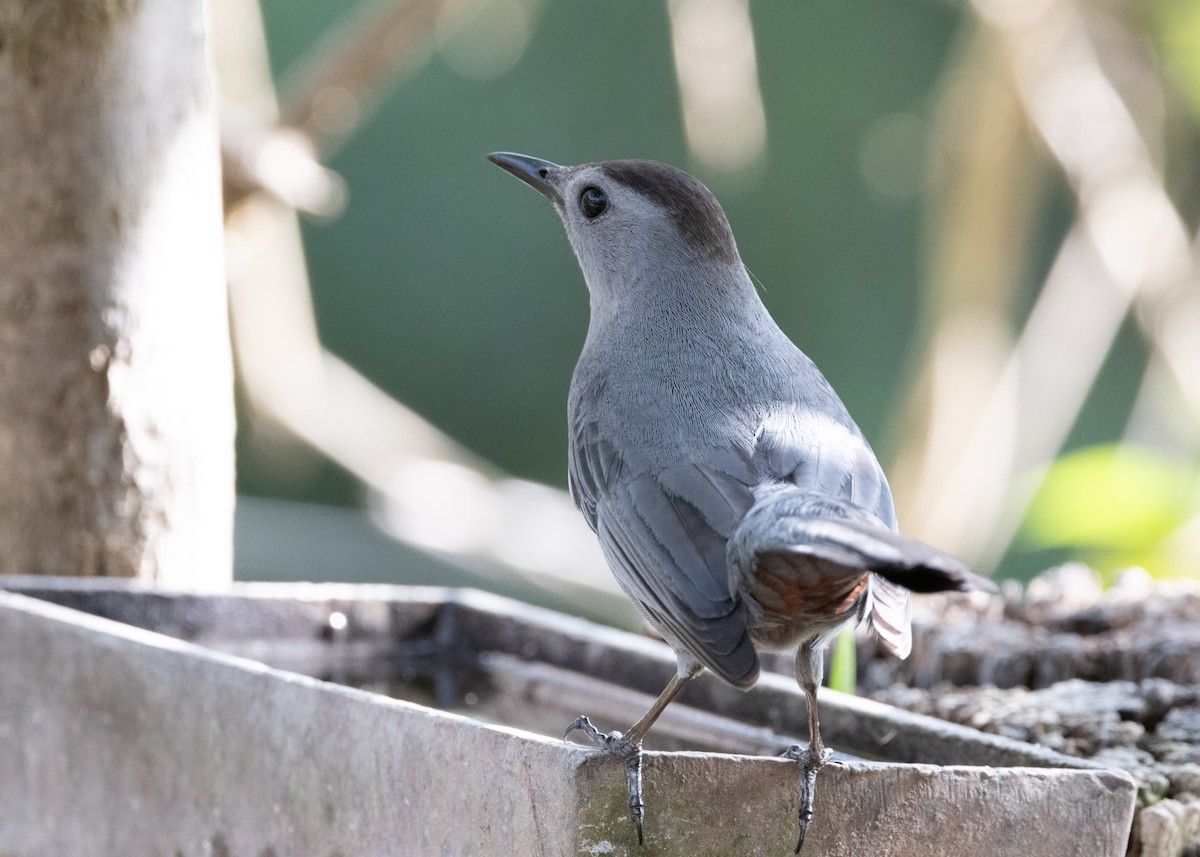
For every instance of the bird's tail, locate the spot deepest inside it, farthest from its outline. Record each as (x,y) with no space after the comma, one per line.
(806,551)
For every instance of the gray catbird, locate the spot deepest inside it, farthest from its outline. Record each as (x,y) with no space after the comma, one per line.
(735,500)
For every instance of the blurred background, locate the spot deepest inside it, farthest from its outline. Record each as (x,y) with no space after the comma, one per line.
(979,219)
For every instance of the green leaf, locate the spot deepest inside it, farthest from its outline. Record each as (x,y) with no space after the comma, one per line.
(1116,497)
(843,665)
(1177,26)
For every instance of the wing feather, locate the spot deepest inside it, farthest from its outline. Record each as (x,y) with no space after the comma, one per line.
(664,535)
(673,566)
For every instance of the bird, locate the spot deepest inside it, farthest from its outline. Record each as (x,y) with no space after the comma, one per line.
(735,500)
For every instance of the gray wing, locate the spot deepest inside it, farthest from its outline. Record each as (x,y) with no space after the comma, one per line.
(664,532)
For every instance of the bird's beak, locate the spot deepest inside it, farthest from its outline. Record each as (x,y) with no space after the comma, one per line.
(535,172)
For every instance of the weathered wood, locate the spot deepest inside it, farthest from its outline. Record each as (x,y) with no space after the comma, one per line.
(116,404)
(1064,626)
(1109,676)
(1169,828)
(287,625)
(188,752)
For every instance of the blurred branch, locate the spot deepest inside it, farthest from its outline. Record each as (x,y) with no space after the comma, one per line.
(426,489)
(712,42)
(281,163)
(1129,246)
(332,90)
(1151,422)
(986,172)
(329,93)
(1170,318)
(1136,236)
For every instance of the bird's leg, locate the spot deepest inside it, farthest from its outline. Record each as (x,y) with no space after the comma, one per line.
(809,667)
(627,747)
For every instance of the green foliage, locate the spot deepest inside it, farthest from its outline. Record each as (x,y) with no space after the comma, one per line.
(1177,28)
(843,664)
(1117,505)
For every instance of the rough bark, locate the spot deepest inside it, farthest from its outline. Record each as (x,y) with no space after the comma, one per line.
(116,413)
(1109,675)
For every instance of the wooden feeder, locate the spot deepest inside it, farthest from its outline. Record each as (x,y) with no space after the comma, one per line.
(139,721)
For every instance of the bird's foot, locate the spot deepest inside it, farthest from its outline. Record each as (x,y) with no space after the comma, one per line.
(810,762)
(630,755)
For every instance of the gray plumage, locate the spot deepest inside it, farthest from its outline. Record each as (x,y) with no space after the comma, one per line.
(734,498)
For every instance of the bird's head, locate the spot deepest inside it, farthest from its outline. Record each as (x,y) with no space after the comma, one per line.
(631,220)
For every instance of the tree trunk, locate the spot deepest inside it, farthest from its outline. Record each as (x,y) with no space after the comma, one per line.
(116,410)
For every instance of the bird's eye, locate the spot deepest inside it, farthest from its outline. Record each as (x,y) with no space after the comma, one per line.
(593,201)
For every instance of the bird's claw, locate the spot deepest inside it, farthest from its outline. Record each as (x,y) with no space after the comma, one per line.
(630,755)
(584,725)
(810,762)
